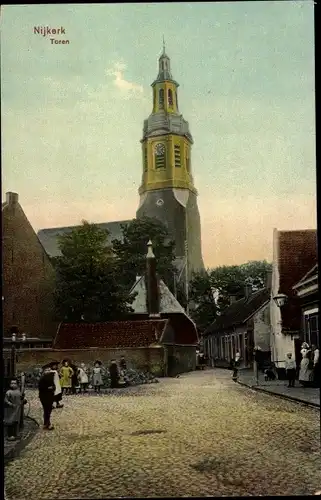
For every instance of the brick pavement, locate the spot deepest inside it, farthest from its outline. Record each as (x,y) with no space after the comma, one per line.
(308,395)
(197,435)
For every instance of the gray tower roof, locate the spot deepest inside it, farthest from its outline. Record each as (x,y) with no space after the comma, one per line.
(49,237)
(164,68)
(162,123)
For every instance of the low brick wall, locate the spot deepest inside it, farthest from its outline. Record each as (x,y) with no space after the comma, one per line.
(151,358)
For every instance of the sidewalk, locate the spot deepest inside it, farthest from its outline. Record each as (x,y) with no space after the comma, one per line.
(12,449)
(308,395)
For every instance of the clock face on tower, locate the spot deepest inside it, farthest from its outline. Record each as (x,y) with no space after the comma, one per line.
(160,202)
(159,149)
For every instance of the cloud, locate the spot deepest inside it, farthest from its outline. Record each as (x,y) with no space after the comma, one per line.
(126,87)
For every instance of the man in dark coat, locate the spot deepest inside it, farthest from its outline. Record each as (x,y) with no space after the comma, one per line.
(114,374)
(46,395)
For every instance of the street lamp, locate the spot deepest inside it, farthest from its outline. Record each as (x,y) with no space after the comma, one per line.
(280,299)
(13,371)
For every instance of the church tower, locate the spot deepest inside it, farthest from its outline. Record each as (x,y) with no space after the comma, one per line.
(167,191)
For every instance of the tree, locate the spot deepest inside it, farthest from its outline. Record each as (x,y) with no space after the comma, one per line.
(230,280)
(201,294)
(131,252)
(87,286)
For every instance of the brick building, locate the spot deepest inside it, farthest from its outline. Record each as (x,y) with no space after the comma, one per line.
(294,255)
(158,336)
(242,326)
(28,275)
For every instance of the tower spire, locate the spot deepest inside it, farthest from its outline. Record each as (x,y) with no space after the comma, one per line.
(163,45)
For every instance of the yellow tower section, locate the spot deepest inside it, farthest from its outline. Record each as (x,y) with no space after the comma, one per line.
(167,142)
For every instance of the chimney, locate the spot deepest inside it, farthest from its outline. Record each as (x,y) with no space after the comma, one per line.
(247,291)
(268,279)
(11,198)
(233,299)
(152,290)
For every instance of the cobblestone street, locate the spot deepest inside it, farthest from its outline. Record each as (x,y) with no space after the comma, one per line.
(197,435)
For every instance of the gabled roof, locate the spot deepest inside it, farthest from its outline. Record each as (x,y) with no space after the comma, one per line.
(181,330)
(240,311)
(49,237)
(297,254)
(168,303)
(111,334)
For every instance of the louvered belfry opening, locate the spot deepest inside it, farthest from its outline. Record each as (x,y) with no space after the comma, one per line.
(177,155)
(152,288)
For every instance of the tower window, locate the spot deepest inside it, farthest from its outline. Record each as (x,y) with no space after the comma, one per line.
(188,162)
(170,97)
(154,100)
(160,156)
(161,98)
(177,155)
(145,159)
(176,101)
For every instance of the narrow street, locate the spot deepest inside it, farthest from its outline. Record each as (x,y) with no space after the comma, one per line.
(197,435)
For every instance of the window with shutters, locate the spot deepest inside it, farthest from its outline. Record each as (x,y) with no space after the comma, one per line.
(177,155)
(161,99)
(170,97)
(160,156)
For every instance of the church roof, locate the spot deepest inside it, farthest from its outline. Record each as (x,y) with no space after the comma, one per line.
(49,237)
(168,303)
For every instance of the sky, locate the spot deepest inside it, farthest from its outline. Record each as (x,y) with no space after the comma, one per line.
(72,114)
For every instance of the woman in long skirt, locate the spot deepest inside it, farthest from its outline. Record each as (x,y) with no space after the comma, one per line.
(305,373)
(66,374)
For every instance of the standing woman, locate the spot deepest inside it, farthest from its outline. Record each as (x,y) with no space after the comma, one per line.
(66,373)
(305,365)
(97,376)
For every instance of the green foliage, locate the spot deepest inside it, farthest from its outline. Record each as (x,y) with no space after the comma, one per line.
(230,280)
(201,294)
(131,252)
(87,284)
(225,281)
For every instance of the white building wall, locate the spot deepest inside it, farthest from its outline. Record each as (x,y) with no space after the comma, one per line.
(262,328)
(280,344)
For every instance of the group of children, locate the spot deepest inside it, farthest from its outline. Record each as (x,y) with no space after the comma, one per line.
(73,378)
(55,382)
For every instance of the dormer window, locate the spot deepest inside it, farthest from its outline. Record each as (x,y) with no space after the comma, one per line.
(170,97)
(161,99)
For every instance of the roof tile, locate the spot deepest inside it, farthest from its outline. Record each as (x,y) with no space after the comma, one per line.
(113,334)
